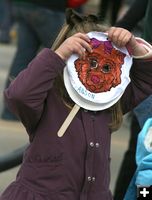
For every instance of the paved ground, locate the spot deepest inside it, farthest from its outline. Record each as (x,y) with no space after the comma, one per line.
(12,135)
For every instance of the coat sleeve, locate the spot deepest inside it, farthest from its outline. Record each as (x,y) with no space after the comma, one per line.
(140,86)
(27,93)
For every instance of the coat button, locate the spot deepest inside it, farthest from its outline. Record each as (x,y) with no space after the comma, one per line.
(89,178)
(93,179)
(97,145)
(91,144)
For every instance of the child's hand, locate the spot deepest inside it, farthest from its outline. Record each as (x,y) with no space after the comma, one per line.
(123,38)
(77,43)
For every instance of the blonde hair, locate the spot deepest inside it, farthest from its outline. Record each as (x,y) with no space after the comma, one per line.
(77,23)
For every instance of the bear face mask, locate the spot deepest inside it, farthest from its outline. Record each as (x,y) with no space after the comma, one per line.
(99,80)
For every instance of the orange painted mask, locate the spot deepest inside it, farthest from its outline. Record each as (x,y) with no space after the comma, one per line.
(98,81)
(101,69)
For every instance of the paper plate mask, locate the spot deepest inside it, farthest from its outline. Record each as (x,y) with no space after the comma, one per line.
(98,81)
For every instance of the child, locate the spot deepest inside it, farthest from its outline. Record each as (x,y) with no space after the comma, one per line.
(73,162)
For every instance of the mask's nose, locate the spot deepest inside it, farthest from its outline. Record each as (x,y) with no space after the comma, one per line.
(95,79)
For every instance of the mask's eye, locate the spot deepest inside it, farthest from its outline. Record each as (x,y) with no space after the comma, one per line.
(93,63)
(106,68)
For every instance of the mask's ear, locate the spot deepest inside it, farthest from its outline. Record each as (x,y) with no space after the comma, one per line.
(73,17)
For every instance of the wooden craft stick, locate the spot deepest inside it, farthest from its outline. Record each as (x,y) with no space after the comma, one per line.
(68,120)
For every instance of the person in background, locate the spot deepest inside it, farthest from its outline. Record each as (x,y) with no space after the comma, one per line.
(38,25)
(128,166)
(6,21)
(111,8)
(74,163)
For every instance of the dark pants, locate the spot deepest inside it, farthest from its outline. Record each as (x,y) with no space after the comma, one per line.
(109,5)
(128,165)
(37,27)
(6,20)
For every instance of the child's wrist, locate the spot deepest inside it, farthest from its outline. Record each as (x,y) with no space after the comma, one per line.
(146,49)
(61,55)
(135,47)
(139,50)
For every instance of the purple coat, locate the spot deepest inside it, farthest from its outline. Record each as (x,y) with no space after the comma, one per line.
(77,165)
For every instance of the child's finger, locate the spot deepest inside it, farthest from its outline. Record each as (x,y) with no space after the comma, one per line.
(119,36)
(112,33)
(83,36)
(84,40)
(86,45)
(126,39)
(80,50)
(123,39)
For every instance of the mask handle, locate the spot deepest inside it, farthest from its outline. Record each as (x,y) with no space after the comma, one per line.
(68,120)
